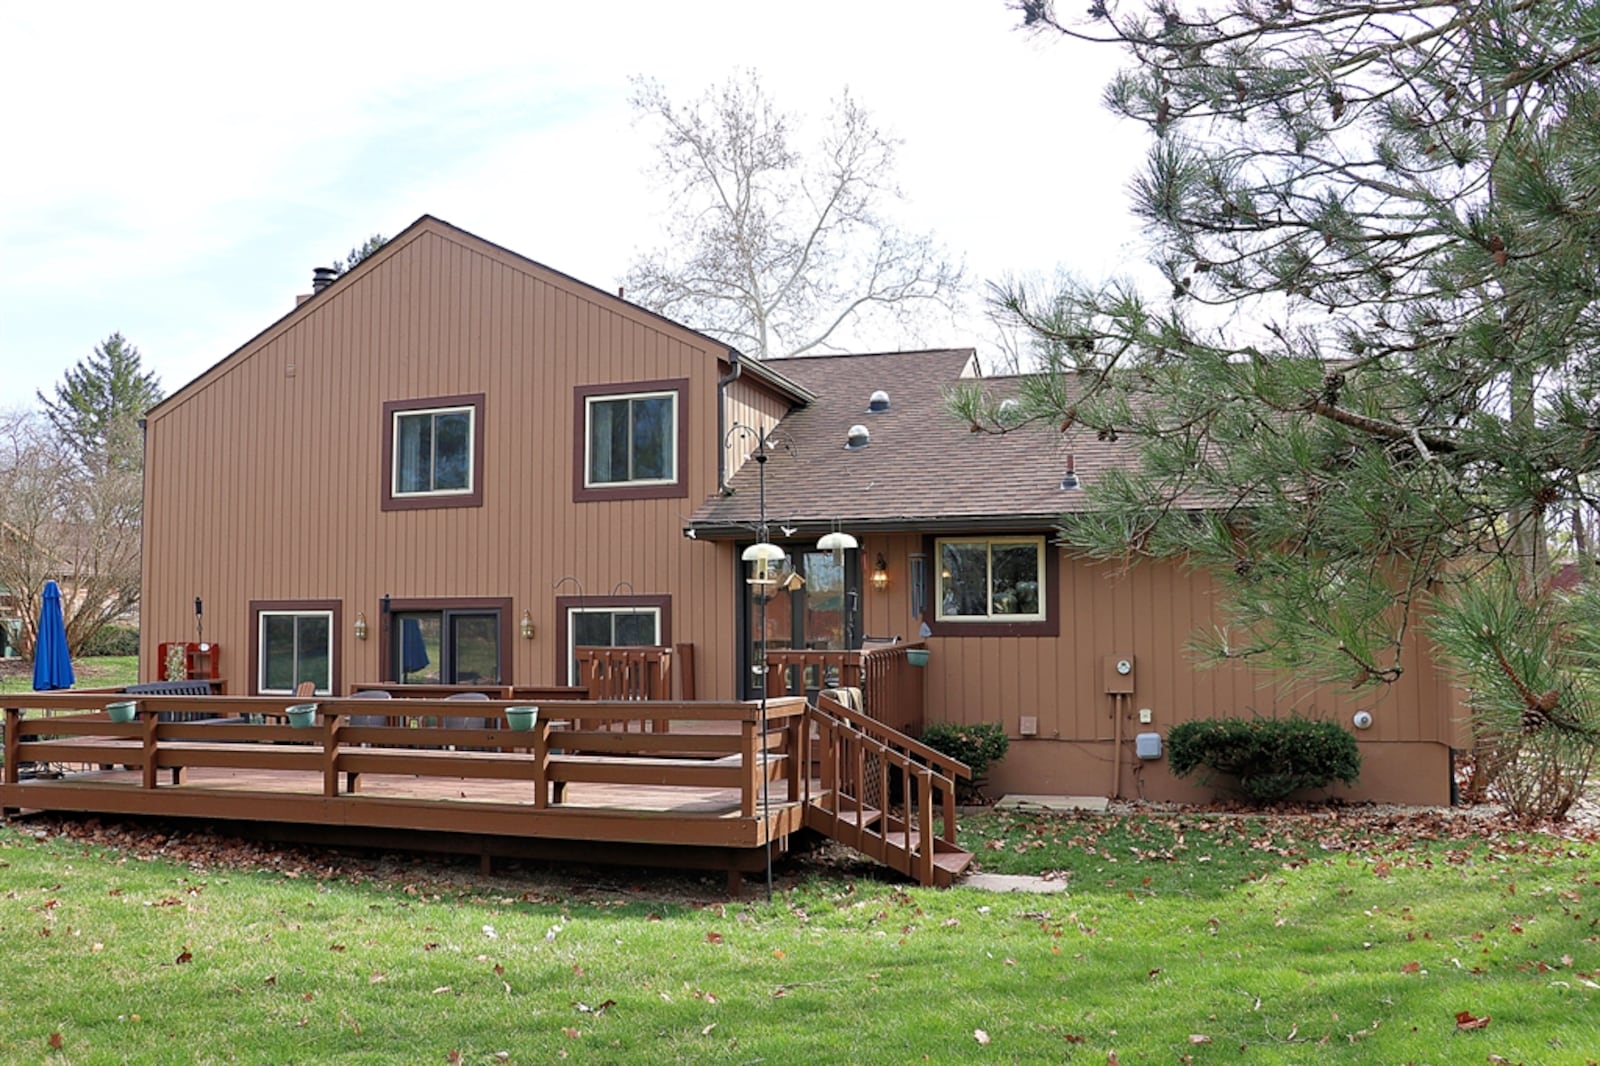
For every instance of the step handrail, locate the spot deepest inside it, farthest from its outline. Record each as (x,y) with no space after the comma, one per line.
(843,768)
(893,738)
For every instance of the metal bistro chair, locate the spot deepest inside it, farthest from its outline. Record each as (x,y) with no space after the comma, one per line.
(465,721)
(369,719)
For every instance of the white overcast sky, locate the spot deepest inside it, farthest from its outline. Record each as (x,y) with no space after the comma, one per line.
(174,171)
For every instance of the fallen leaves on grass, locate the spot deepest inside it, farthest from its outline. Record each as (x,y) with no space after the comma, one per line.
(981,1037)
(1465,1021)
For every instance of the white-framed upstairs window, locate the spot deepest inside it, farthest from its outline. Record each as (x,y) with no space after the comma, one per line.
(294,647)
(631,439)
(433,451)
(998,579)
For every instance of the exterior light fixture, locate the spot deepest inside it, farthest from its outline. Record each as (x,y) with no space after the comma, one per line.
(880,574)
(765,556)
(361,625)
(837,542)
(526,625)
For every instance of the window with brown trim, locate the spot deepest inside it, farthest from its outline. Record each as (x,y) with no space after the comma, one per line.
(293,641)
(433,452)
(630,440)
(608,622)
(1001,585)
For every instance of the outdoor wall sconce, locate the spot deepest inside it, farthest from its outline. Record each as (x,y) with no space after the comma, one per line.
(361,625)
(880,574)
(766,557)
(526,625)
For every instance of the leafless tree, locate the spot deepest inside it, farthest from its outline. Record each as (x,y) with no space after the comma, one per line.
(774,250)
(64,521)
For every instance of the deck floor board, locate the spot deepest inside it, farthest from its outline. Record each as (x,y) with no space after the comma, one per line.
(590,796)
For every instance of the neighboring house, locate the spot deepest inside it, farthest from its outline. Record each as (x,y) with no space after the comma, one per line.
(10,625)
(452,446)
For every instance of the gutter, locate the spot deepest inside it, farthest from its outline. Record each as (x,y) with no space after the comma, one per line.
(735,368)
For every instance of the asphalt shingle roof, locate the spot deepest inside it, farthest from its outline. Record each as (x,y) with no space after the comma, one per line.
(924,468)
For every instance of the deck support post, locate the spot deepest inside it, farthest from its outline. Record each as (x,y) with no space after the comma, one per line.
(12,770)
(148,777)
(330,753)
(754,765)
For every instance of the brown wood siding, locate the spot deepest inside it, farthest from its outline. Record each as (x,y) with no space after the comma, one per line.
(1149,612)
(748,403)
(265,474)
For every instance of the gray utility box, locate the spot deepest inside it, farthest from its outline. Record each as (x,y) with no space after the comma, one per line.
(1147,745)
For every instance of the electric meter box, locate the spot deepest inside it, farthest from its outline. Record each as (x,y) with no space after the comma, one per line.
(1147,745)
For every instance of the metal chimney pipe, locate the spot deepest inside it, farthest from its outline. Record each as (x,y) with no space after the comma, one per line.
(321,278)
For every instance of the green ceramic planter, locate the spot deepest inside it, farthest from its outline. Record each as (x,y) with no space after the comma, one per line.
(917,656)
(521,719)
(303,715)
(123,711)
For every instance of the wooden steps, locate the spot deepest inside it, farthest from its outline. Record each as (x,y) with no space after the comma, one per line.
(858,764)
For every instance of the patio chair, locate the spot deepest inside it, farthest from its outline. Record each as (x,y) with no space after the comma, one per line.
(465,721)
(368,719)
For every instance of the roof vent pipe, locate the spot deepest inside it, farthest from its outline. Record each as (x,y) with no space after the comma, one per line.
(321,278)
(1069,480)
(879,403)
(857,438)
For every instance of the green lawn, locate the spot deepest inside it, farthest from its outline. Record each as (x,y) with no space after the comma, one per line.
(104,671)
(1200,939)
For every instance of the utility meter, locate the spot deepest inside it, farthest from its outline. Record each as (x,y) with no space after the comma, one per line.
(1119,674)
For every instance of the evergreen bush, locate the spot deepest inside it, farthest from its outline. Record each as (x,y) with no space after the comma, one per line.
(113,640)
(1272,758)
(977,745)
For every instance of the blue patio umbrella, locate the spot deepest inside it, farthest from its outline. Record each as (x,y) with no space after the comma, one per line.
(52,664)
(413,649)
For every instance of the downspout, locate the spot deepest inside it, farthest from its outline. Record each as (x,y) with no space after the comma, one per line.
(144,525)
(1118,708)
(735,368)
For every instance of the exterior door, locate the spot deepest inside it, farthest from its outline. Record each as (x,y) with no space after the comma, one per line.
(822,614)
(448,647)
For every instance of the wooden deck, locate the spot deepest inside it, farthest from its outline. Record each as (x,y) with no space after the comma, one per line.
(712,788)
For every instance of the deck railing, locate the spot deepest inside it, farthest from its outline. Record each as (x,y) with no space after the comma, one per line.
(891,688)
(247,734)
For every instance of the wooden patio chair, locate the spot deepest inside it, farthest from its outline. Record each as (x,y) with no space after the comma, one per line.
(305,690)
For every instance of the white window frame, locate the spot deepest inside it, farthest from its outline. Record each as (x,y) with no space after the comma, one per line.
(589,403)
(572,630)
(471,412)
(261,649)
(989,543)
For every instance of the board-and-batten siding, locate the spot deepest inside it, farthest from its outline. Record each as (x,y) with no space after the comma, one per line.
(1149,611)
(748,404)
(265,474)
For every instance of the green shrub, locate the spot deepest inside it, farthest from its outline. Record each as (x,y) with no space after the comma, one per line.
(1271,757)
(976,745)
(113,640)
